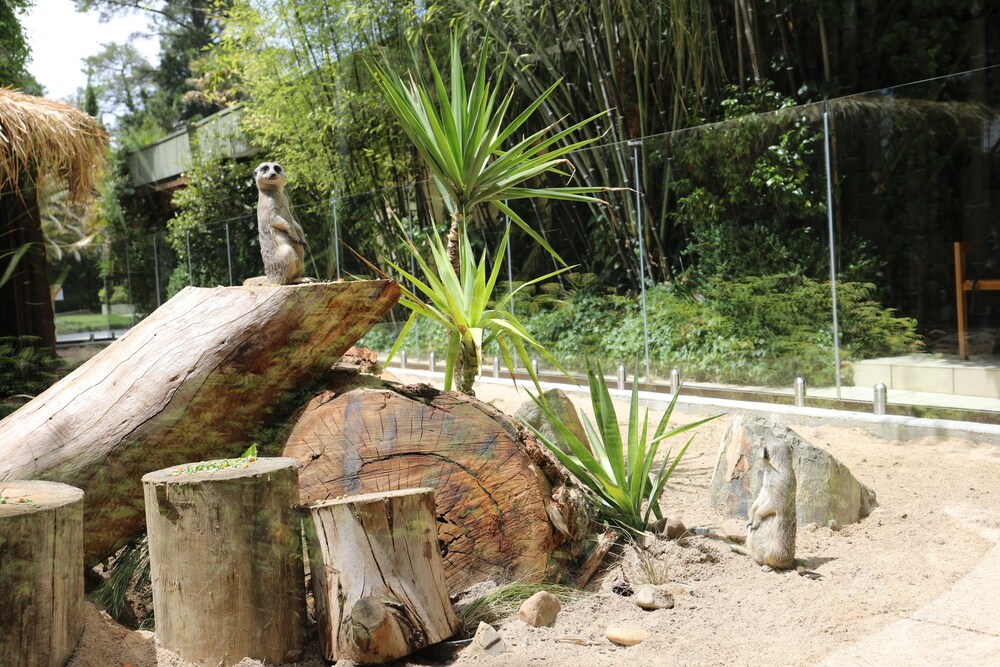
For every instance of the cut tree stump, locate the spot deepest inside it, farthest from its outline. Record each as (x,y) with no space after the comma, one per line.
(225,557)
(505,509)
(41,572)
(195,380)
(377,576)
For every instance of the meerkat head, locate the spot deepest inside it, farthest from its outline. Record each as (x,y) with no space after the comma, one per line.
(777,455)
(269,175)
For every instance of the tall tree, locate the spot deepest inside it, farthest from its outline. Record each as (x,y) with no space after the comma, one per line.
(15,54)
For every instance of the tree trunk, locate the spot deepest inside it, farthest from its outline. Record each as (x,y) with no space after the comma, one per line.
(377,576)
(25,301)
(198,379)
(225,557)
(504,508)
(41,573)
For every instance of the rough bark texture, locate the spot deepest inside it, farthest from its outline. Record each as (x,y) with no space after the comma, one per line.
(825,490)
(195,380)
(41,573)
(225,556)
(504,507)
(377,576)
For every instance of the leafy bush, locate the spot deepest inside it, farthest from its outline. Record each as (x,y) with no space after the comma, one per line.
(25,370)
(760,330)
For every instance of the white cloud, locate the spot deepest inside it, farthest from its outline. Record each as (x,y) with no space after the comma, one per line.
(60,38)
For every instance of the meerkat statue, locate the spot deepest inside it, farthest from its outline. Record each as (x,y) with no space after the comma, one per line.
(771,530)
(282,243)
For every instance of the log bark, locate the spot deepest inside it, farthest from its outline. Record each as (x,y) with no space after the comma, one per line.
(225,556)
(505,509)
(41,572)
(377,576)
(195,380)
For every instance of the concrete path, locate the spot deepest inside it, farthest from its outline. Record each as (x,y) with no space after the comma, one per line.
(961,627)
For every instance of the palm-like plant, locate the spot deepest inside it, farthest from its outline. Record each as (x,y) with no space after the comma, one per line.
(460,132)
(617,471)
(460,302)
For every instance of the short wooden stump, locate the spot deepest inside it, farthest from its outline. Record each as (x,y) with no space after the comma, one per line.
(41,572)
(377,575)
(225,554)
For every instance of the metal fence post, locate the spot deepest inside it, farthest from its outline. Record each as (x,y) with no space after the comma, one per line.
(881,394)
(800,392)
(635,143)
(675,381)
(621,377)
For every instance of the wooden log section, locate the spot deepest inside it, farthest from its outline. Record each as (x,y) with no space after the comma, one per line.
(41,573)
(377,576)
(195,380)
(504,510)
(225,557)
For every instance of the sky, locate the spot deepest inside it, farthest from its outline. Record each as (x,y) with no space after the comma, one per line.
(60,38)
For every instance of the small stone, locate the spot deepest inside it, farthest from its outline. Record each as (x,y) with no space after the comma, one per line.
(625,635)
(653,597)
(487,641)
(540,610)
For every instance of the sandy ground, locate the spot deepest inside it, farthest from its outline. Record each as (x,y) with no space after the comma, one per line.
(933,493)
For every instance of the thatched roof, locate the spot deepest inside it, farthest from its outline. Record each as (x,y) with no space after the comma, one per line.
(43,139)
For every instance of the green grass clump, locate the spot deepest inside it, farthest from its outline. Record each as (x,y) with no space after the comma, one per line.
(505,600)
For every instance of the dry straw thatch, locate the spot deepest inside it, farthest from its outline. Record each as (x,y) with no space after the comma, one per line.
(43,139)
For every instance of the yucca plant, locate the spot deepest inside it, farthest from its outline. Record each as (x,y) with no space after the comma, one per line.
(617,471)
(461,132)
(460,302)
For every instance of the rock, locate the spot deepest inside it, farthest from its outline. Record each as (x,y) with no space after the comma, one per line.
(540,610)
(563,408)
(626,635)
(653,597)
(825,489)
(487,641)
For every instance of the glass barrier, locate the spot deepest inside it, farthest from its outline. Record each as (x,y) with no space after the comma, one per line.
(822,249)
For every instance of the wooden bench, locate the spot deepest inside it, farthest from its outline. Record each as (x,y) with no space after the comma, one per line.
(964,285)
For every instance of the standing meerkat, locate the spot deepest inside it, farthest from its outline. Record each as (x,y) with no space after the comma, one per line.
(771,531)
(282,243)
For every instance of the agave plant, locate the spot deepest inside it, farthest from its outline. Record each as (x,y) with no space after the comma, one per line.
(462,134)
(461,303)
(618,471)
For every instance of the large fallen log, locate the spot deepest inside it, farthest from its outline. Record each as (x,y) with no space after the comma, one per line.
(504,508)
(195,380)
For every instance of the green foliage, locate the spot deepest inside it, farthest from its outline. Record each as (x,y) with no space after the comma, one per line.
(219,192)
(25,370)
(758,214)
(754,331)
(14,50)
(461,305)
(616,470)
(461,136)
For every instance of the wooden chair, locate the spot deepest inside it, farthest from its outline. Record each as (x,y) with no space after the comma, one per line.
(964,285)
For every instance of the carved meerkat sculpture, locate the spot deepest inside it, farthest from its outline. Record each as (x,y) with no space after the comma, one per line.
(282,243)
(771,531)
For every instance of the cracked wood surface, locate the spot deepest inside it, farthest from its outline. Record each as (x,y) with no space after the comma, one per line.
(195,380)
(493,487)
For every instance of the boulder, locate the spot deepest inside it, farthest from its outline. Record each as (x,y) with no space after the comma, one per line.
(826,493)
(563,408)
(652,597)
(487,641)
(540,610)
